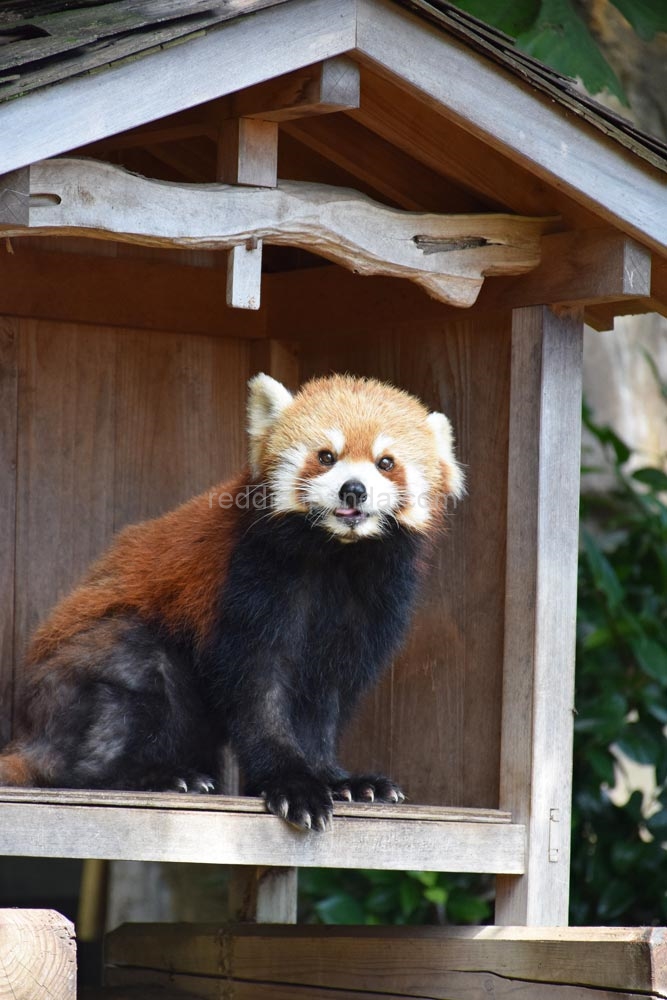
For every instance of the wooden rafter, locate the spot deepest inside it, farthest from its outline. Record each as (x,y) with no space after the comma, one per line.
(448,256)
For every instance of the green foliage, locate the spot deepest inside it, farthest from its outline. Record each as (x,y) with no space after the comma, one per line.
(553,32)
(619,875)
(328,896)
(647,17)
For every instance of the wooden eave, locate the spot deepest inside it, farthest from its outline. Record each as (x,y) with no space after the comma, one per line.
(486,101)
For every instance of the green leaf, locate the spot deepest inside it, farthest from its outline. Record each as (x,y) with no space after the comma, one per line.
(639,745)
(464,908)
(604,575)
(602,763)
(340,909)
(436,894)
(651,657)
(657,825)
(511,16)
(426,878)
(560,39)
(382,899)
(410,896)
(615,899)
(647,17)
(649,476)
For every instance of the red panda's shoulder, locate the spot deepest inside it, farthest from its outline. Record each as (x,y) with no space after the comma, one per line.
(168,569)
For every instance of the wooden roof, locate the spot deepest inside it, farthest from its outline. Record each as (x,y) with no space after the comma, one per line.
(46,41)
(453,118)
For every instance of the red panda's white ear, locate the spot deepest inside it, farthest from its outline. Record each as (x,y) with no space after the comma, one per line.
(266,401)
(442,432)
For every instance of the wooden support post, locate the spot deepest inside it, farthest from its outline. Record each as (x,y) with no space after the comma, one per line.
(263,895)
(248,155)
(244,275)
(540,609)
(248,152)
(38,955)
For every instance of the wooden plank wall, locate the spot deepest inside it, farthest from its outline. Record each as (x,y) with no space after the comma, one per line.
(116,425)
(100,427)
(434,723)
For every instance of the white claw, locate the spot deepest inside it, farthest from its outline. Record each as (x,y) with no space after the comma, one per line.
(181,785)
(283,808)
(306,820)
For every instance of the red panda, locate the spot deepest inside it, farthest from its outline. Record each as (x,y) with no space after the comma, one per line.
(254,615)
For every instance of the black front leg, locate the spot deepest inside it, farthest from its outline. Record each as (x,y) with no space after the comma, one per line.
(273,759)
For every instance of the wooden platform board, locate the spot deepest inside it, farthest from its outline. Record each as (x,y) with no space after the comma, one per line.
(352,963)
(227,830)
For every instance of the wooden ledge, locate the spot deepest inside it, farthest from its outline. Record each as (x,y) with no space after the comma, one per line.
(447,255)
(228,830)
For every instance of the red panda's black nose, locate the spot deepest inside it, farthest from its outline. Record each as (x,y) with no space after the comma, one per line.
(352,493)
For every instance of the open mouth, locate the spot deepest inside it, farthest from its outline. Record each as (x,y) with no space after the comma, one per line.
(350,515)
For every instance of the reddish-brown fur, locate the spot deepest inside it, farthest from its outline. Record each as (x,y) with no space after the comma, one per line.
(169,568)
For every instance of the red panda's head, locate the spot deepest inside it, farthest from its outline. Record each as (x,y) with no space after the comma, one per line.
(353,453)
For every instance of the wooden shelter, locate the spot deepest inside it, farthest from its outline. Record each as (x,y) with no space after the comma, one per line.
(487,209)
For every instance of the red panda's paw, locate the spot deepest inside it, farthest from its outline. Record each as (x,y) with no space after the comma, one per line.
(194,783)
(303,800)
(367,788)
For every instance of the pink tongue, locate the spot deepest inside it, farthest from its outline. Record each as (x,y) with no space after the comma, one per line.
(348,512)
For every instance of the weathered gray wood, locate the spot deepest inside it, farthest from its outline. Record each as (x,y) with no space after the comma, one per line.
(14,197)
(577,269)
(243,52)
(37,955)
(244,275)
(595,170)
(248,152)
(540,608)
(9,330)
(245,804)
(141,834)
(332,85)
(448,256)
(453,963)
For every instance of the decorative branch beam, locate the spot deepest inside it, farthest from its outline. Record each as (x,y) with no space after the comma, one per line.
(448,256)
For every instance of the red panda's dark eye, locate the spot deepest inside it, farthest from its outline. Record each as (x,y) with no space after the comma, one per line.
(385,463)
(326,458)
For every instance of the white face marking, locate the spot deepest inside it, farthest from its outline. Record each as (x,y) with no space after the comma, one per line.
(382,445)
(442,432)
(418,512)
(336,439)
(285,480)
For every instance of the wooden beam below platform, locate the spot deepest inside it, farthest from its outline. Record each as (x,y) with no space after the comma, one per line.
(448,963)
